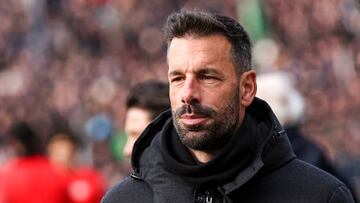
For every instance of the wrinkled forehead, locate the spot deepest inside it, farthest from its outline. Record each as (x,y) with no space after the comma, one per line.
(211,47)
(196,54)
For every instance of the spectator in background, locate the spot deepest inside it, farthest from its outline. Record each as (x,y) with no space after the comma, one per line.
(83,184)
(30,177)
(278,89)
(146,101)
(61,149)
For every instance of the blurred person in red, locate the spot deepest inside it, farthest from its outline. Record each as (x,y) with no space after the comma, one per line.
(29,177)
(84,184)
(3,156)
(146,101)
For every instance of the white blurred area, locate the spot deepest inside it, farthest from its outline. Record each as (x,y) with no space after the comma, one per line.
(279,90)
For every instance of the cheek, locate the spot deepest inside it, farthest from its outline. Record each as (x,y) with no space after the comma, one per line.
(175,98)
(218,99)
(130,141)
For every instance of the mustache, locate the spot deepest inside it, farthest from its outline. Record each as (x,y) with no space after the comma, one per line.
(195,108)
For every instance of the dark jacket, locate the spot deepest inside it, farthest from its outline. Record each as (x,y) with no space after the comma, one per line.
(309,152)
(258,165)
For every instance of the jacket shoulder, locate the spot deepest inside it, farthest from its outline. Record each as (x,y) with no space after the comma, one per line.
(316,183)
(129,190)
(296,181)
(340,195)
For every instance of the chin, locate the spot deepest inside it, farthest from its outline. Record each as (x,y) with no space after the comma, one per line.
(193,139)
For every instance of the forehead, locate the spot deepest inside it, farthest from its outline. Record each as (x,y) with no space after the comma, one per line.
(195,50)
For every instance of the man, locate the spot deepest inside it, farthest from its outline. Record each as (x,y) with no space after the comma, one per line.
(146,101)
(219,143)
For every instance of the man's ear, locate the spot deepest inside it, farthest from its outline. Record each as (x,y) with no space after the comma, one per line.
(247,87)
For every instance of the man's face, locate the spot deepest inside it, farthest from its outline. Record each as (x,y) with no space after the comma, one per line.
(61,150)
(204,91)
(136,121)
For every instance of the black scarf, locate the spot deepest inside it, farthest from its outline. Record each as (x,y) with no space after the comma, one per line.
(235,156)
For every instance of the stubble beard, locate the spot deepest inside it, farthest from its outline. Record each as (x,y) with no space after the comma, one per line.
(213,135)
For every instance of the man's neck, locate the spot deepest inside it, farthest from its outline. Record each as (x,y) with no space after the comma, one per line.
(203,157)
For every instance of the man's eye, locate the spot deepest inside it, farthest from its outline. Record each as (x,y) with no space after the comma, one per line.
(207,77)
(176,79)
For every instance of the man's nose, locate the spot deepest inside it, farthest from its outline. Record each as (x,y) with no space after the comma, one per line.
(190,91)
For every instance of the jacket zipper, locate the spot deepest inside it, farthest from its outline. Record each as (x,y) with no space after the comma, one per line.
(133,175)
(208,198)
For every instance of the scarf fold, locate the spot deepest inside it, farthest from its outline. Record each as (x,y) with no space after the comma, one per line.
(238,154)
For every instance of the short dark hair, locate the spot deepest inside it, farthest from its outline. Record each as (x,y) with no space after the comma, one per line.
(198,23)
(61,130)
(22,133)
(150,95)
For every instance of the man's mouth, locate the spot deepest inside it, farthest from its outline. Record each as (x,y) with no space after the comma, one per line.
(193,119)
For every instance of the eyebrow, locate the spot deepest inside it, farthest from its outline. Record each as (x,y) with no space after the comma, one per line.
(174,73)
(198,72)
(208,71)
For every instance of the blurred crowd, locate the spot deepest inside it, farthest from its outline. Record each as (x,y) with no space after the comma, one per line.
(79,58)
(319,42)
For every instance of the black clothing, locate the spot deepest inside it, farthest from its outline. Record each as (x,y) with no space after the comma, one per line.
(258,165)
(179,161)
(309,152)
